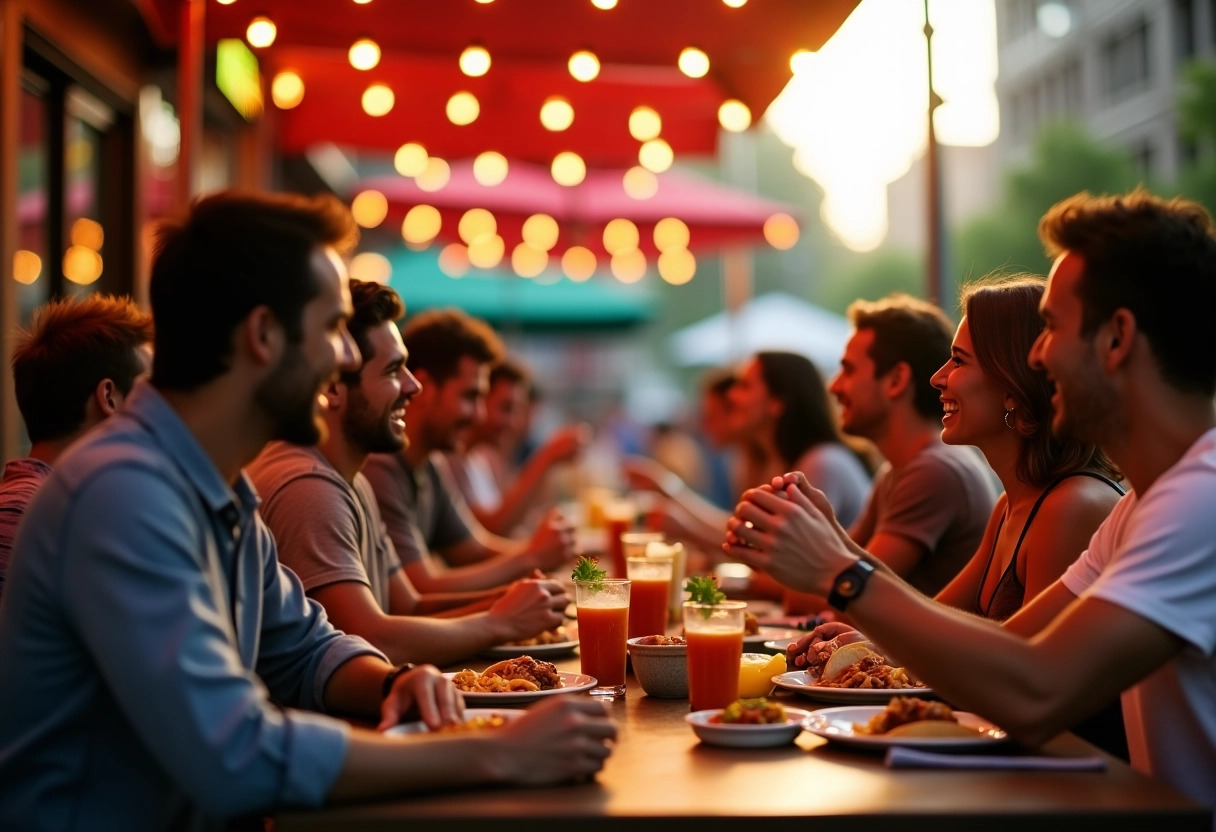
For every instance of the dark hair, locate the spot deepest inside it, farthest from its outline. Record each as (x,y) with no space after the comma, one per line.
(911,331)
(807,418)
(1003,312)
(372,304)
(1155,258)
(438,339)
(511,372)
(70,347)
(233,253)
(717,382)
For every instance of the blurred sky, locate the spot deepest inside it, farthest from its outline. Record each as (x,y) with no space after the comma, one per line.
(855,111)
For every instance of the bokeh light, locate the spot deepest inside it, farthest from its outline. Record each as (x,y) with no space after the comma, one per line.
(454,260)
(540,231)
(369,208)
(671,232)
(490,168)
(556,114)
(645,124)
(421,225)
(578,263)
(734,116)
(378,100)
(781,231)
(410,159)
(487,252)
(27,266)
(656,155)
(371,266)
(261,32)
(364,54)
(475,61)
(476,224)
(434,176)
(677,266)
(620,235)
(584,66)
(629,266)
(287,90)
(527,261)
(88,233)
(568,168)
(81,265)
(463,108)
(640,183)
(693,62)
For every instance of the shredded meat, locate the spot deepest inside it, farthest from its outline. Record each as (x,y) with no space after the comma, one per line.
(543,674)
(904,709)
(871,672)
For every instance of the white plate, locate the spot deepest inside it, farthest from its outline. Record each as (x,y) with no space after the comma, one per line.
(759,641)
(804,683)
(836,724)
(571,683)
(746,736)
(420,727)
(536,651)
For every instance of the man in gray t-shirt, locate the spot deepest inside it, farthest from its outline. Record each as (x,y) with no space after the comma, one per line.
(931,501)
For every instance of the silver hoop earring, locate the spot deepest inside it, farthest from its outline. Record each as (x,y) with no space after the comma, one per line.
(1008,424)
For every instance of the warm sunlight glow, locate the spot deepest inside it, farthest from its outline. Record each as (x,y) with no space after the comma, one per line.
(369,208)
(568,168)
(364,54)
(556,114)
(578,263)
(645,124)
(287,90)
(475,61)
(261,32)
(584,66)
(693,62)
(421,225)
(378,100)
(371,267)
(490,168)
(857,124)
(410,159)
(540,231)
(640,183)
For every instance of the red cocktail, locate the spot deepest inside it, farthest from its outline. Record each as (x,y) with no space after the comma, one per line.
(603,621)
(648,596)
(715,644)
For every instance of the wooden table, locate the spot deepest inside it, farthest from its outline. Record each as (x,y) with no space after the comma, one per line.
(660,771)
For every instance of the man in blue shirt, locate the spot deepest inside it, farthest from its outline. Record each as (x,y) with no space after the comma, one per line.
(153,653)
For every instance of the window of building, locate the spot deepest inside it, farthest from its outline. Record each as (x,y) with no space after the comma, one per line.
(1144,157)
(1125,58)
(1183,25)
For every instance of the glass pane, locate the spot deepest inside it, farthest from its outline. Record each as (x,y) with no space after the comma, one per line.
(84,255)
(31,263)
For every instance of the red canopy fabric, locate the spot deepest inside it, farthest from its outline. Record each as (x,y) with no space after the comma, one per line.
(717,215)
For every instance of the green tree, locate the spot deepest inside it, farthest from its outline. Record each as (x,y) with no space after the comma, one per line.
(1197,124)
(873,275)
(1064,161)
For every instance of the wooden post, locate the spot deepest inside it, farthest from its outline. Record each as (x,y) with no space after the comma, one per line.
(936,277)
(190,53)
(10,138)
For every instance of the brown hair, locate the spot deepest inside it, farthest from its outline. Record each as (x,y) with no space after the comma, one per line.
(911,331)
(438,339)
(1003,312)
(70,348)
(1155,258)
(807,419)
(372,304)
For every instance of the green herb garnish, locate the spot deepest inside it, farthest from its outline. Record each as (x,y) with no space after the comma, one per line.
(703,589)
(587,570)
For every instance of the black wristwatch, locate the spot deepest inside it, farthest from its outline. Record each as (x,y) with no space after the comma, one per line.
(849,584)
(392,677)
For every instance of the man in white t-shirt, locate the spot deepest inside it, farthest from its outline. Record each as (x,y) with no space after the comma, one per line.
(1131,351)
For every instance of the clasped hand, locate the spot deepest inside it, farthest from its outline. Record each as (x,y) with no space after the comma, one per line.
(787,529)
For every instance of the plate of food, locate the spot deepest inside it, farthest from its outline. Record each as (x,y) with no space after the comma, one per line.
(517,681)
(475,719)
(852,674)
(905,721)
(772,639)
(559,641)
(748,723)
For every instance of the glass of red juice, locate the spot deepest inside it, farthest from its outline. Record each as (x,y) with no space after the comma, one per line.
(715,644)
(603,623)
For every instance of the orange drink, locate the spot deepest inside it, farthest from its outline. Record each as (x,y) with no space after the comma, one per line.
(619,517)
(603,622)
(651,578)
(715,645)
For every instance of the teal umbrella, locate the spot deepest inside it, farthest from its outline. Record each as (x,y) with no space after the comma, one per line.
(506,300)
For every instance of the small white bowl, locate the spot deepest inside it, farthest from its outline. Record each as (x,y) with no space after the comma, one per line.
(746,736)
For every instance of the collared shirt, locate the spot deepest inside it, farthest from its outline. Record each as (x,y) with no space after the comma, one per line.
(152,650)
(21,479)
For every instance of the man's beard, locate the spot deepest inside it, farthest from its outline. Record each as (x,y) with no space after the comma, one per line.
(289,398)
(368,430)
(1089,413)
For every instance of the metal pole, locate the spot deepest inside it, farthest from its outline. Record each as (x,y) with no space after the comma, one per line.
(936,277)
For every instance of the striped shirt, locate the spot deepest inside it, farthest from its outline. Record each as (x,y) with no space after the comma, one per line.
(21,479)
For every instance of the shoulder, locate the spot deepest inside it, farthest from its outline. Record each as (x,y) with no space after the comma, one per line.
(1078,495)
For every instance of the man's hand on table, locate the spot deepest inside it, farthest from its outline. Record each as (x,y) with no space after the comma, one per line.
(423,692)
(563,739)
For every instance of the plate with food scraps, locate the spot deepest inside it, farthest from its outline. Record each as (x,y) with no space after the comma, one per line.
(549,644)
(570,683)
(746,735)
(474,719)
(847,727)
(760,640)
(808,685)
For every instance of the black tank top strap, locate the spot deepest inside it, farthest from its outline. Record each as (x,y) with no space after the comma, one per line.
(1037,503)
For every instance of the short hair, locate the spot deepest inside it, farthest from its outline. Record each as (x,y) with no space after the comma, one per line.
(511,372)
(234,252)
(1153,257)
(1003,314)
(438,339)
(718,381)
(372,304)
(910,330)
(807,418)
(69,348)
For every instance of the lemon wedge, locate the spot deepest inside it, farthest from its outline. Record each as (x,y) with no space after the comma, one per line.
(756,672)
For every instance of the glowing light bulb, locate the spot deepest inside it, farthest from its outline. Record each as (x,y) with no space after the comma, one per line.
(640,183)
(781,231)
(677,266)
(671,233)
(477,224)
(556,114)
(734,116)
(369,208)
(463,108)
(490,168)
(693,62)
(364,54)
(801,61)
(656,155)
(421,225)
(261,32)
(604,4)
(620,235)
(540,231)
(378,100)
(578,263)
(584,66)
(475,61)
(568,168)
(410,159)
(645,124)
(287,90)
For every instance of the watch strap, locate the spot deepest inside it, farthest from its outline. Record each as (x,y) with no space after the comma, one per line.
(850,583)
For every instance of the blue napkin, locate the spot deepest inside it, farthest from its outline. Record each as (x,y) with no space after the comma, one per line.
(903,757)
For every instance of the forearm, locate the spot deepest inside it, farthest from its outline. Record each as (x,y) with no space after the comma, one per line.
(377,765)
(434,577)
(439,641)
(357,686)
(454,604)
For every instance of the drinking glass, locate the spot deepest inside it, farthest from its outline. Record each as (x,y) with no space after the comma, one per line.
(648,596)
(715,644)
(619,517)
(603,621)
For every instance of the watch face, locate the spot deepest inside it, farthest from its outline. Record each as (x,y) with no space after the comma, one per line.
(847,586)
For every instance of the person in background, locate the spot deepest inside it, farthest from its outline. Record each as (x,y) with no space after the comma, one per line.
(500,494)
(1133,369)
(450,353)
(158,665)
(72,369)
(328,530)
(717,436)
(1057,491)
(779,403)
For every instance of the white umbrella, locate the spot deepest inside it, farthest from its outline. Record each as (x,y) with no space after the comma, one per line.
(773,321)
